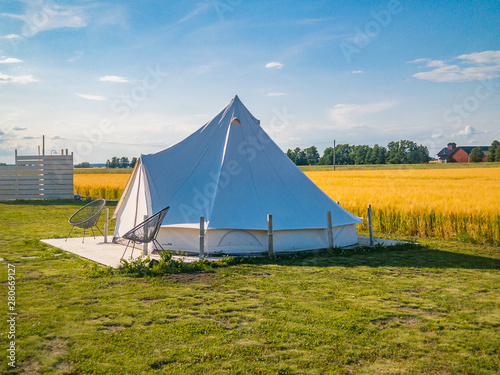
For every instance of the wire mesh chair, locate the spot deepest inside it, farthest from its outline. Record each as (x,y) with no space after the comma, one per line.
(87,216)
(146,231)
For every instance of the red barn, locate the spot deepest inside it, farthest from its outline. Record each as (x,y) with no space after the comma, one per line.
(460,154)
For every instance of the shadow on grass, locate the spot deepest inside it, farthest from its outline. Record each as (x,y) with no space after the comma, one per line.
(399,256)
(407,255)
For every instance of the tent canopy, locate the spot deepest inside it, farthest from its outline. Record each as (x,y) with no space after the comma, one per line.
(230,172)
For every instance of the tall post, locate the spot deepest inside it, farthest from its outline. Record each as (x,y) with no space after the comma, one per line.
(370,224)
(202,237)
(145,245)
(330,231)
(334,154)
(106,216)
(43,145)
(270,244)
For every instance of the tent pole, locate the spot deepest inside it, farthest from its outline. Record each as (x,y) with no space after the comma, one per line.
(330,231)
(370,223)
(202,237)
(270,244)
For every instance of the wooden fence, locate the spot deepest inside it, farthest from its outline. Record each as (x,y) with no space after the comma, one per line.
(38,177)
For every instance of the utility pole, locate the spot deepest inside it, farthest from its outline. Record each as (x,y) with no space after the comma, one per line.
(334,154)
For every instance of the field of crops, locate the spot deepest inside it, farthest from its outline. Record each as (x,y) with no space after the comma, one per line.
(446,203)
(459,203)
(100,185)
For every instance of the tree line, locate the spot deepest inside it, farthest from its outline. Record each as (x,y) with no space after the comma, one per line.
(400,152)
(122,162)
(477,154)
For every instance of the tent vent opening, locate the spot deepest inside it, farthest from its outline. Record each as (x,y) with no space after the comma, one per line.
(236,121)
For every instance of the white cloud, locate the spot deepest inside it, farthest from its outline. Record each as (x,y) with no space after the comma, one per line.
(276,94)
(486,57)
(11,36)
(200,8)
(10,60)
(485,65)
(466,132)
(44,15)
(4,78)
(357,72)
(348,114)
(113,79)
(92,97)
(202,69)
(78,55)
(274,64)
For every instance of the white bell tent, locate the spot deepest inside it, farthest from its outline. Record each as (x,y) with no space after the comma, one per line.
(232,174)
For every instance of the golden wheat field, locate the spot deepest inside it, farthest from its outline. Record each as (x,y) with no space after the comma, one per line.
(460,203)
(100,185)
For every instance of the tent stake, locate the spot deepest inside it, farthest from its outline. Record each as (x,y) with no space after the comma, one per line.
(202,237)
(270,246)
(330,231)
(370,223)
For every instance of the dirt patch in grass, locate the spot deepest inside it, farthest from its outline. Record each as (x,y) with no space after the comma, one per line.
(55,346)
(406,320)
(33,275)
(199,278)
(64,366)
(419,311)
(31,367)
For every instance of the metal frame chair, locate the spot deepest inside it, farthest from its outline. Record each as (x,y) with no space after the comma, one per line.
(87,216)
(146,231)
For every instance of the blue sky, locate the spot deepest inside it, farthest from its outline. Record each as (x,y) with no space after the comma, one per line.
(129,77)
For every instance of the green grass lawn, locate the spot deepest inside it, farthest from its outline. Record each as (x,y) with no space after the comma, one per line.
(433,309)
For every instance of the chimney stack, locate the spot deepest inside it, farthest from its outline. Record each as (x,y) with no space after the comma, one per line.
(452,146)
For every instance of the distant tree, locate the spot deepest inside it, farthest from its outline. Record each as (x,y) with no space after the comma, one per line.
(407,152)
(395,153)
(301,156)
(3,164)
(291,155)
(368,156)
(476,155)
(312,155)
(344,154)
(83,164)
(360,154)
(378,155)
(114,163)
(298,156)
(327,158)
(132,162)
(419,154)
(124,163)
(494,154)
